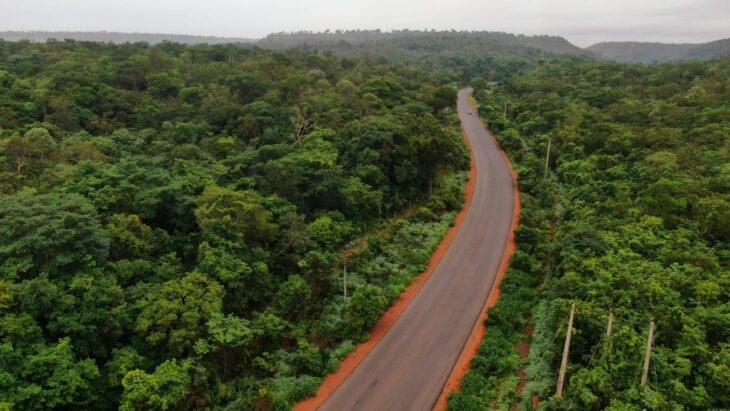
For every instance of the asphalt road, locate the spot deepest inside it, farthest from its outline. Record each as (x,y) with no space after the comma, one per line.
(409,367)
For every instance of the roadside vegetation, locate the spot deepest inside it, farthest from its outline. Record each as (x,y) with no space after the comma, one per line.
(175,220)
(630,217)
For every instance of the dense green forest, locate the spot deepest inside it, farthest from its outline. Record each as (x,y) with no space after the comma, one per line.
(175,220)
(631,216)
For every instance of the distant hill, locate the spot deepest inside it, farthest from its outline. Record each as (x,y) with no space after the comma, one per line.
(117,37)
(420,41)
(409,42)
(640,52)
(713,49)
(343,42)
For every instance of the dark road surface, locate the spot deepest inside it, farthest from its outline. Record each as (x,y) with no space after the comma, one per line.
(409,367)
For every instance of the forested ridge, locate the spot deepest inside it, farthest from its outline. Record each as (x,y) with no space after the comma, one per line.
(630,217)
(422,43)
(393,44)
(175,220)
(409,46)
(644,52)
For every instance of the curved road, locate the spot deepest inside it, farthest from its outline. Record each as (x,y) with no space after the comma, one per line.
(409,367)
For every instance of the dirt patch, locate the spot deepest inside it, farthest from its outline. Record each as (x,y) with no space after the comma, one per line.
(472,344)
(348,365)
(523,348)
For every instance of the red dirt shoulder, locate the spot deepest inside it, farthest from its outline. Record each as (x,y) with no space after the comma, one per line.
(472,344)
(351,362)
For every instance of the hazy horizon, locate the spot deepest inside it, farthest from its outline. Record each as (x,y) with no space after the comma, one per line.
(349,29)
(581,22)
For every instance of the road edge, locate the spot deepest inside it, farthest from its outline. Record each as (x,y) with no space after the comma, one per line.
(333,380)
(461,368)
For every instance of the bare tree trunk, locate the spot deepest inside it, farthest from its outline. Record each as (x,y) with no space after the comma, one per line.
(302,126)
(20,163)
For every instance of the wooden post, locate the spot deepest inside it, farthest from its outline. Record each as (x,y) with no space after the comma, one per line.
(344,280)
(547,156)
(566,349)
(647,355)
(609,342)
(610,324)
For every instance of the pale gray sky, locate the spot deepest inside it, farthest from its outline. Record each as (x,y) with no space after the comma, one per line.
(583,22)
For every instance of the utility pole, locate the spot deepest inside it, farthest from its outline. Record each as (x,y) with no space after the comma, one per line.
(647,355)
(547,156)
(566,349)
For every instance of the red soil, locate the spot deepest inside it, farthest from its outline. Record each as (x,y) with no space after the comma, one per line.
(523,347)
(472,344)
(348,365)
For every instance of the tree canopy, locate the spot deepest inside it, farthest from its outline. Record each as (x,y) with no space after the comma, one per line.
(175,220)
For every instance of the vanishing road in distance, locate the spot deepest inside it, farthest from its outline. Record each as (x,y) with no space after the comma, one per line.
(409,367)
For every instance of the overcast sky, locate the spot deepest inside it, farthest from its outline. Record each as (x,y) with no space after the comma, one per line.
(583,22)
